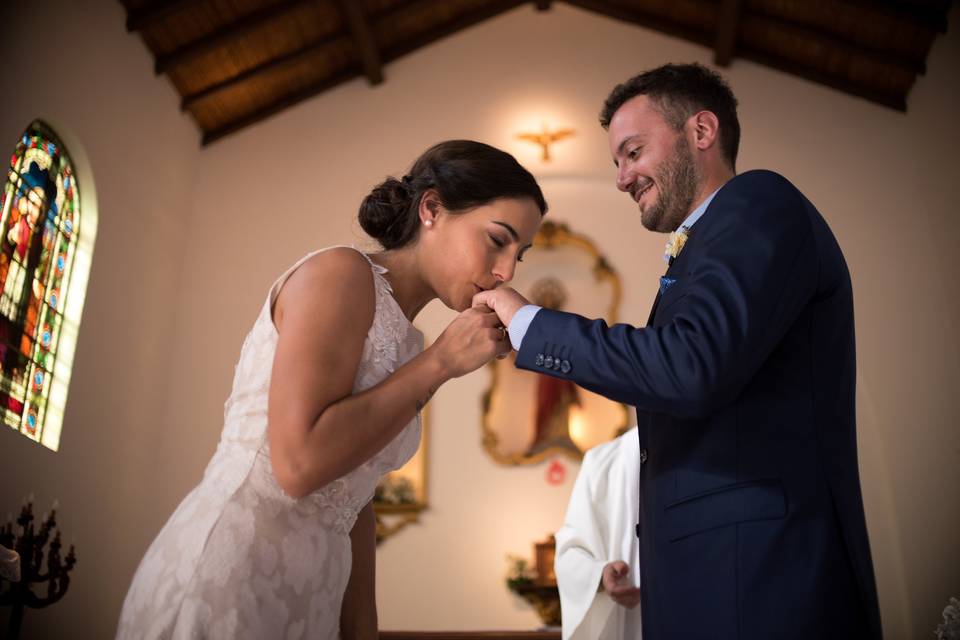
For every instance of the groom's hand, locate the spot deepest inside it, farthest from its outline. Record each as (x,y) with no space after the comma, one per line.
(504,302)
(616,583)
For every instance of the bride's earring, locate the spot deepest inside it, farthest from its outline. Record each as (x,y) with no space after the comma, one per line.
(428,223)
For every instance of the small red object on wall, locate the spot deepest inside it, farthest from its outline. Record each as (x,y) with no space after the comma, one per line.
(556,472)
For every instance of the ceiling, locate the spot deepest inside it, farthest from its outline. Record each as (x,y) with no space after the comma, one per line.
(235,62)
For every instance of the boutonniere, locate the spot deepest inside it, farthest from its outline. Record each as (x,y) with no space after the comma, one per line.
(675,245)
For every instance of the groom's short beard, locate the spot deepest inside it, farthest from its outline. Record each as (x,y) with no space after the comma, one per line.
(678,180)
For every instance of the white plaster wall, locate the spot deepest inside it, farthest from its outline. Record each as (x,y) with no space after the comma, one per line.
(72,64)
(154,378)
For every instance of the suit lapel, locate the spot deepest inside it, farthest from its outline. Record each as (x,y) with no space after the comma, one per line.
(653,309)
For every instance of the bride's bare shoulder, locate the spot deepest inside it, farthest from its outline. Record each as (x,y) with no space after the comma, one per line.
(338,262)
(340,278)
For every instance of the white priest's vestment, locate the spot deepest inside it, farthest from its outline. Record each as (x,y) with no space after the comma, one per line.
(599,528)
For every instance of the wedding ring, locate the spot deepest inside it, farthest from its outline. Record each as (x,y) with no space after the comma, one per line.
(503,333)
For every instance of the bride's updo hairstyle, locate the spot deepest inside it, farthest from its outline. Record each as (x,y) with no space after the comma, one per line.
(465,174)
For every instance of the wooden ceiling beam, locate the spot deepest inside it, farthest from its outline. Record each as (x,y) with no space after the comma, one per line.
(283,103)
(226,35)
(270,66)
(893,101)
(645,18)
(463,21)
(928,18)
(363,40)
(727,32)
(146,17)
(774,23)
(478,15)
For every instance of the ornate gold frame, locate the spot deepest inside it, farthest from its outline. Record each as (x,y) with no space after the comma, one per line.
(552,235)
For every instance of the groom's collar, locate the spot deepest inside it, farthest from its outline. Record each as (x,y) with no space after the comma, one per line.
(691,220)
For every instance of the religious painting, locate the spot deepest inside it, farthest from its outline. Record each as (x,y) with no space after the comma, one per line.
(38,239)
(401,495)
(528,416)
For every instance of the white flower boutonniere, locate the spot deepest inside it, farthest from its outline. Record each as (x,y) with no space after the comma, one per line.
(675,245)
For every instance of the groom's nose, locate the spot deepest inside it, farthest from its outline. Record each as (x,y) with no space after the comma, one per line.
(625,178)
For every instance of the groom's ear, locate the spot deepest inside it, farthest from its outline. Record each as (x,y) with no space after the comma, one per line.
(705,129)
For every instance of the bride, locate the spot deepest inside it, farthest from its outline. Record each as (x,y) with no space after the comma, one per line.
(277,540)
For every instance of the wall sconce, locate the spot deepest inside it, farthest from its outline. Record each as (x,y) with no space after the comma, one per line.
(545,138)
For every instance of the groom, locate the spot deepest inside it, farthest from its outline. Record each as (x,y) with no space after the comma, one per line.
(751,517)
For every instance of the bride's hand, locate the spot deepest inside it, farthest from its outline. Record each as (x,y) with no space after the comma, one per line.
(473,338)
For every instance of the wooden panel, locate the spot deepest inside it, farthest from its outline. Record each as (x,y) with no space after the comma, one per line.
(263,95)
(269,41)
(650,18)
(856,24)
(810,55)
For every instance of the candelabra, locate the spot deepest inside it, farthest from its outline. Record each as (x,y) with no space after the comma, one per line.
(29,543)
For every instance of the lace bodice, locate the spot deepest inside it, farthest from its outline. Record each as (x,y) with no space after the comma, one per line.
(391,341)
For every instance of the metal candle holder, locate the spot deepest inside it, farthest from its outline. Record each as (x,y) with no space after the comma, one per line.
(29,543)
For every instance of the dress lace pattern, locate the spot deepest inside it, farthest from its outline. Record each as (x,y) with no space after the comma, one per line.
(241,559)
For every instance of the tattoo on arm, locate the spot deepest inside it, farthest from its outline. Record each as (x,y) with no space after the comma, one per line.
(422,403)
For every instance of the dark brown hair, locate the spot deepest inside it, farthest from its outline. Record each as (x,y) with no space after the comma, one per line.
(679,91)
(465,175)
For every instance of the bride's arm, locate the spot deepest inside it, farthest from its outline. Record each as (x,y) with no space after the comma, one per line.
(317,430)
(358,613)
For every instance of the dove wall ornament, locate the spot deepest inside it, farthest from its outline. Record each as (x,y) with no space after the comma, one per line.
(545,138)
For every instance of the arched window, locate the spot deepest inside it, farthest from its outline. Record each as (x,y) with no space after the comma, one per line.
(39,231)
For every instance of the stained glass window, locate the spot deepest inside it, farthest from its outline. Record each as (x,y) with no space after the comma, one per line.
(39,230)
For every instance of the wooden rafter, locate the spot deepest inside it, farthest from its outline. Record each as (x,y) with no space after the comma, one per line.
(727,32)
(850,49)
(363,40)
(270,66)
(645,18)
(910,12)
(224,36)
(897,102)
(281,104)
(463,21)
(747,30)
(155,12)
(345,75)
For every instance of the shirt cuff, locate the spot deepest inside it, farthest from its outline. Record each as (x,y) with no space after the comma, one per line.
(520,323)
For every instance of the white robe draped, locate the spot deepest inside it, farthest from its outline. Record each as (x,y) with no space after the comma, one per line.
(599,528)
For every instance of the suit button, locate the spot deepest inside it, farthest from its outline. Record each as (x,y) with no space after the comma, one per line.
(548,362)
(565,366)
(538,360)
(643,456)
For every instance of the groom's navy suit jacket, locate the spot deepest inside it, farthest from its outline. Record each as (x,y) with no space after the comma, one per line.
(751,516)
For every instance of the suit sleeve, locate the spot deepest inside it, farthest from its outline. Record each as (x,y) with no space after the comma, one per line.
(750,278)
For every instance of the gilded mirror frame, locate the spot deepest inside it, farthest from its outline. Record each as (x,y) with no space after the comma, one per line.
(394,506)
(552,236)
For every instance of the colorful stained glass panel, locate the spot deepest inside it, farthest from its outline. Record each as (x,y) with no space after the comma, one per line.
(39,228)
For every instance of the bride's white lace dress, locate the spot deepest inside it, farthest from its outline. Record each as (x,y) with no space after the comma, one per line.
(239,558)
